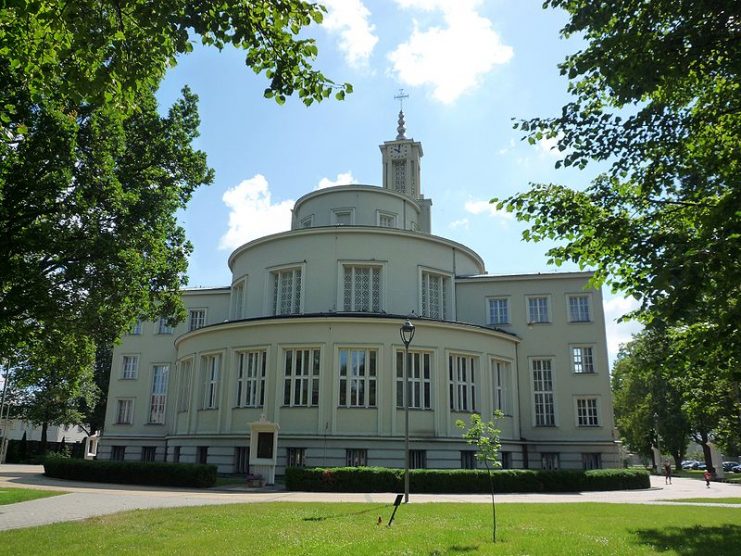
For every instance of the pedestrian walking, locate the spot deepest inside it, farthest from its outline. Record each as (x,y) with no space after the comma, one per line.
(707,475)
(667,473)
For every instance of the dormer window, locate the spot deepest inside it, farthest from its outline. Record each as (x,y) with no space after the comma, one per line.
(342,217)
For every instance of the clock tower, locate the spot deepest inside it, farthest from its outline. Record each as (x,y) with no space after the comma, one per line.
(401,171)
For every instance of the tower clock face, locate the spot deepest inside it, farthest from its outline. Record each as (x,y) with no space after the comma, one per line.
(399,151)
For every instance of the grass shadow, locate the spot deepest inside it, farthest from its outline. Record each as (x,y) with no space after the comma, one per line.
(347,514)
(693,541)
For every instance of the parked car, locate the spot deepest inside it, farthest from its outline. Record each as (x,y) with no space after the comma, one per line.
(729,465)
(690,464)
(736,469)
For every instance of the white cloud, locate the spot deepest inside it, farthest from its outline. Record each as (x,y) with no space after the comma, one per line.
(548,146)
(349,19)
(452,59)
(485,207)
(344,178)
(459,224)
(619,333)
(508,148)
(252,213)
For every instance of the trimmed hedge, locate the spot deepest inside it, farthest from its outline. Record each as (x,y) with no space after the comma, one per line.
(131,472)
(461,481)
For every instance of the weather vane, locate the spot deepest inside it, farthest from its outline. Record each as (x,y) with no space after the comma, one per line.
(400,97)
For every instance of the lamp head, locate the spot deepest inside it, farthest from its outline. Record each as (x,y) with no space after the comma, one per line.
(407,332)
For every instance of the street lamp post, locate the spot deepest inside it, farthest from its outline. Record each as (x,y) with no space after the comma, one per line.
(407,333)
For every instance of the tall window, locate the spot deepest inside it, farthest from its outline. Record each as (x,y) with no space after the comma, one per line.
(587,414)
(434,295)
(420,385)
(537,309)
(251,378)
(499,310)
(307,222)
(582,360)
(362,288)
(242,459)
(545,413)
(287,291)
(591,460)
(502,371)
(159,393)
(211,371)
(118,453)
(356,457)
(296,457)
(186,370)
(196,318)
(358,377)
(202,455)
(238,289)
(301,386)
(549,461)
(165,328)
(399,168)
(579,308)
(468,459)
(124,412)
(136,328)
(130,367)
(462,383)
(417,459)
(149,453)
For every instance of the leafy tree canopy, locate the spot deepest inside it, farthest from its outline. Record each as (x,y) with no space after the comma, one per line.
(657,99)
(103,51)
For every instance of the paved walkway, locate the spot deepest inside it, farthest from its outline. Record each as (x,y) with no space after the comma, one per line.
(84,500)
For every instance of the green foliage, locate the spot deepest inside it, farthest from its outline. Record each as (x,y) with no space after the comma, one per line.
(107,52)
(460,481)
(15,495)
(657,101)
(647,399)
(137,473)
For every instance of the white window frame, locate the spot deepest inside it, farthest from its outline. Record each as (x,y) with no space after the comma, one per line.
(194,323)
(420,379)
(444,307)
(136,328)
(356,457)
(587,411)
(543,397)
(301,382)
(130,372)
(540,318)
(185,375)
(462,382)
(251,368)
(342,211)
(124,411)
(550,461)
(274,284)
(158,397)
(501,373)
(211,364)
(490,314)
(306,222)
(358,385)
(356,305)
(238,298)
(295,457)
(164,328)
(582,359)
(579,311)
(394,219)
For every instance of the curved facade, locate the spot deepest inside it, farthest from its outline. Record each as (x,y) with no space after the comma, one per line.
(306,340)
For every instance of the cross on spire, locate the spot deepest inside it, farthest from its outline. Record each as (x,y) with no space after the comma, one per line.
(400,129)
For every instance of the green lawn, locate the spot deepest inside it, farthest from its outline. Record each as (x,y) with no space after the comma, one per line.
(351,529)
(13,495)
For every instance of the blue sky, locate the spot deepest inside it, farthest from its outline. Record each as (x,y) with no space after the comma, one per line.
(468,67)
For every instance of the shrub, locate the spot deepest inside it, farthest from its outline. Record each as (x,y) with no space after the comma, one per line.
(130,472)
(461,481)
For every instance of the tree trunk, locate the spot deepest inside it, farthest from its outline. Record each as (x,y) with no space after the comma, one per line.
(493,506)
(44,427)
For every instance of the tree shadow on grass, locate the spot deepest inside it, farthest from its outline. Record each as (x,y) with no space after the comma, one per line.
(693,541)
